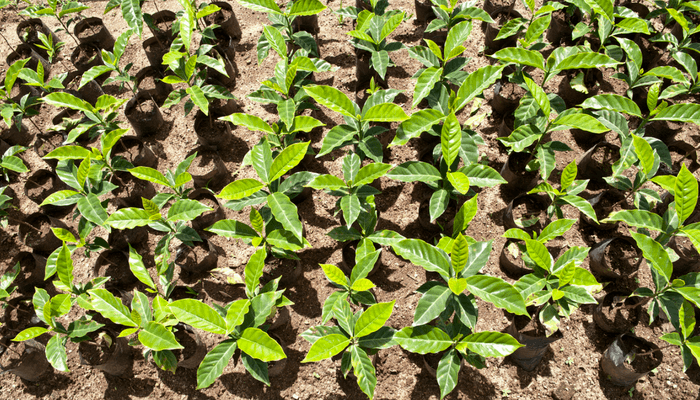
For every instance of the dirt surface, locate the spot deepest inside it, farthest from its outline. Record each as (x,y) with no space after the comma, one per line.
(573,360)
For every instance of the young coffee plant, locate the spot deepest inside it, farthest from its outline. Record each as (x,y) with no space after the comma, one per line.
(241,322)
(556,288)
(370,34)
(280,35)
(6,280)
(449,14)
(12,111)
(47,44)
(354,188)
(58,9)
(357,287)
(458,261)
(567,193)
(10,162)
(173,180)
(101,119)
(50,309)
(38,79)
(379,107)
(367,221)
(111,60)
(357,335)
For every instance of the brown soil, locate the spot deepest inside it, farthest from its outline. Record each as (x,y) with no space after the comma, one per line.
(189,343)
(130,151)
(619,313)
(90,29)
(144,110)
(512,91)
(218,17)
(115,265)
(46,144)
(204,163)
(98,350)
(190,257)
(528,209)
(604,157)
(86,55)
(30,33)
(40,186)
(213,129)
(622,257)
(42,229)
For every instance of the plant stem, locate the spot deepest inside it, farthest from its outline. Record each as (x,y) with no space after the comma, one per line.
(8,43)
(646,353)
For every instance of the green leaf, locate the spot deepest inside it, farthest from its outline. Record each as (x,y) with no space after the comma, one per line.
(496,291)
(423,339)
(351,206)
(373,318)
(56,352)
(520,56)
(637,218)
(138,268)
(240,189)
(369,173)
(655,253)
(482,175)
(364,370)
(233,229)
(457,285)
(330,182)
(476,83)
(686,112)
(537,28)
(63,99)
(489,344)
(128,218)
(419,122)
(306,7)
(29,333)
(266,6)
(334,274)
(332,98)
(424,255)
(586,60)
(91,208)
(61,198)
(150,174)
(555,229)
(448,372)
(425,84)
(12,73)
(254,271)
(413,171)
(540,96)
(253,123)
(539,254)
(289,158)
(431,304)
(464,216)
(259,345)
(612,102)
(456,36)
(686,194)
(68,153)
(198,315)
(286,213)
(14,163)
(326,347)
(110,307)
(645,154)
(64,266)
(186,210)
(459,255)
(214,362)
(578,120)
(385,112)
(667,72)
(157,337)
(198,98)
(451,138)
(236,313)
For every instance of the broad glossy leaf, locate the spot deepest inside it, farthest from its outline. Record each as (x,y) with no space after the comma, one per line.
(431,304)
(68,153)
(423,339)
(655,253)
(157,337)
(425,84)
(63,99)
(128,218)
(332,98)
(539,254)
(612,102)
(586,60)
(64,266)
(373,318)
(214,362)
(451,138)
(447,372)
(489,344)
(56,352)
(385,112)
(138,268)
(132,14)
(686,194)
(236,313)
(198,315)
(364,370)
(286,213)
(520,56)
(482,175)
(419,122)
(253,123)
(645,154)
(334,274)
(686,112)
(496,291)
(579,121)
(186,210)
(110,307)
(413,171)
(424,255)
(306,7)
(258,344)
(233,229)
(476,83)
(326,347)
(266,6)
(555,229)
(638,218)
(240,189)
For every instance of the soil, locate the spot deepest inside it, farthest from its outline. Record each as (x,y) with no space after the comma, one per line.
(619,314)
(218,17)
(97,351)
(115,265)
(40,186)
(144,110)
(30,33)
(211,130)
(188,341)
(622,257)
(47,143)
(86,55)
(41,229)
(604,157)
(204,163)
(90,28)
(528,209)
(192,258)
(512,91)
(400,374)
(131,151)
